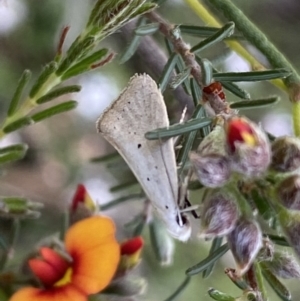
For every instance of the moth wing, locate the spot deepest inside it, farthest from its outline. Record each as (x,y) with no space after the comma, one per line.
(124,124)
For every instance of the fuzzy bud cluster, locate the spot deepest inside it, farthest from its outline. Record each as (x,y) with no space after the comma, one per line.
(283,265)
(248,147)
(245,242)
(285,154)
(211,162)
(288,192)
(238,146)
(219,215)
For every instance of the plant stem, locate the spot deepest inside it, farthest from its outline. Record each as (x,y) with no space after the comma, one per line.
(208,18)
(259,40)
(30,103)
(184,50)
(14,235)
(296,118)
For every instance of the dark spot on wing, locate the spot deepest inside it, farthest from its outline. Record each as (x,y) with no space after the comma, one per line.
(167,207)
(148,179)
(139,145)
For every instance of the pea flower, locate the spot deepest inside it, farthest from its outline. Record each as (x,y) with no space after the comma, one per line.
(92,257)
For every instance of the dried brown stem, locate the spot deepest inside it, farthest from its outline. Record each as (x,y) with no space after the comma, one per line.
(219,106)
(150,57)
(180,46)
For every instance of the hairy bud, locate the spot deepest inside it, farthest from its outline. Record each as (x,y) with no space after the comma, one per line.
(283,265)
(288,192)
(219,215)
(290,224)
(248,147)
(245,242)
(211,162)
(285,154)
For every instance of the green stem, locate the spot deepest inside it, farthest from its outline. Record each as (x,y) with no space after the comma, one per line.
(15,231)
(30,103)
(296,118)
(241,201)
(179,289)
(65,223)
(260,281)
(258,39)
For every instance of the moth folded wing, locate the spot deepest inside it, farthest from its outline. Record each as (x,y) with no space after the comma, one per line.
(148,165)
(141,108)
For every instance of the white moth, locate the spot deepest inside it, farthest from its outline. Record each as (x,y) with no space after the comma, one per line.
(140,108)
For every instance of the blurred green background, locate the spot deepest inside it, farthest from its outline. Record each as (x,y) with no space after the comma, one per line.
(60,148)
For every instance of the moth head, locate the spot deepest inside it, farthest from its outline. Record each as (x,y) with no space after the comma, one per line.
(179,228)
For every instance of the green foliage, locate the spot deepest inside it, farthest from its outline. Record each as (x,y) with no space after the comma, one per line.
(188,67)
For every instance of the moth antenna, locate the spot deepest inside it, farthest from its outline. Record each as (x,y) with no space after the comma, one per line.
(190,208)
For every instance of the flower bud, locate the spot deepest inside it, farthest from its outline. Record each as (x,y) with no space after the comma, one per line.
(49,267)
(248,146)
(290,224)
(245,241)
(82,205)
(219,215)
(283,265)
(130,253)
(285,154)
(288,192)
(210,161)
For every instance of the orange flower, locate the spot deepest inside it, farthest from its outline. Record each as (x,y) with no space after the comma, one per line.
(94,256)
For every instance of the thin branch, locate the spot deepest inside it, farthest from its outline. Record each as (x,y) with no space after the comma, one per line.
(144,57)
(180,46)
(183,49)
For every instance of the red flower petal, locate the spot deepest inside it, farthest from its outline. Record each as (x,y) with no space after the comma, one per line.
(78,196)
(131,246)
(239,129)
(56,260)
(50,268)
(44,271)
